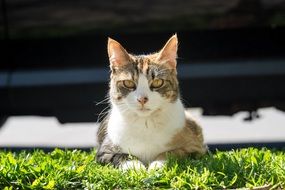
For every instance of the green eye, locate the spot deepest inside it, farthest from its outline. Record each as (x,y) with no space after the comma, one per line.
(129,84)
(157,83)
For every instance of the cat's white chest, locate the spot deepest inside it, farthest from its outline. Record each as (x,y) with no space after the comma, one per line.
(144,138)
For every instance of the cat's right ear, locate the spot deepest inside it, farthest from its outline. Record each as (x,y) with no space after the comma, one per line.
(118,56)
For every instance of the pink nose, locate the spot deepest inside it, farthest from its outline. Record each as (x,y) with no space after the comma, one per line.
(142,100)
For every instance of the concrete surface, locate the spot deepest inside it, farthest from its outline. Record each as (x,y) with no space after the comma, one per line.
(40,131)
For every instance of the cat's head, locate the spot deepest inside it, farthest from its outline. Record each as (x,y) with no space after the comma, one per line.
(143,84)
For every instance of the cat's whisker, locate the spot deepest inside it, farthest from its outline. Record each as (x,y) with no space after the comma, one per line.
(129,104)
(103,113)
(104,101)
(124,109)
(122,106)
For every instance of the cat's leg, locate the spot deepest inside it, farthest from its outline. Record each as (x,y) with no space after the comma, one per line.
(108,153)
(156,165)
(111,158)
(119,160)
(160,160)
(132,165)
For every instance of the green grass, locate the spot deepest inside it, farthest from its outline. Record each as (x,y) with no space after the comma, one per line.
(67,169)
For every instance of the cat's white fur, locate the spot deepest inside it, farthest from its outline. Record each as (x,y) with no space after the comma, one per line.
(145,133)
(132,165)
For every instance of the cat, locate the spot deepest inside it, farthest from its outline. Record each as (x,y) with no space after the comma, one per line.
(147,120)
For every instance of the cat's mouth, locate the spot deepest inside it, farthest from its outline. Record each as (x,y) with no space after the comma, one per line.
(143,109)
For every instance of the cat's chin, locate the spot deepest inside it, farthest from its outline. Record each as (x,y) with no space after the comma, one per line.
(143,112)
(147,112)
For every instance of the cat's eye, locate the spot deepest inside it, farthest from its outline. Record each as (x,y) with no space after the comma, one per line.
(157,83)
(129,84)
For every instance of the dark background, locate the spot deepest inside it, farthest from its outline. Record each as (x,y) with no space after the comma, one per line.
(54,60)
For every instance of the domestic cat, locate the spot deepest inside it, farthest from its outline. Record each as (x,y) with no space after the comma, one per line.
(147,120)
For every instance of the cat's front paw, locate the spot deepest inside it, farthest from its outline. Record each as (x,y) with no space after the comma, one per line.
(156,165)
(132,165)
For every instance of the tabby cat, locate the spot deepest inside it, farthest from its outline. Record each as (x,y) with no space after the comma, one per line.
(147,120)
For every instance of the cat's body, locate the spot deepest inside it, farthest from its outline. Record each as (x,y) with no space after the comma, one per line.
(146,137)
(147,119)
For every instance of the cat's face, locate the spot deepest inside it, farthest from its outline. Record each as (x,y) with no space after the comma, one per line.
(143,84)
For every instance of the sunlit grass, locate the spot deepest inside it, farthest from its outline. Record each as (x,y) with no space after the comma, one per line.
(74,169)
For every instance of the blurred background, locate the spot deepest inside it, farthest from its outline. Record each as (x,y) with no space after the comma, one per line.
(54,66)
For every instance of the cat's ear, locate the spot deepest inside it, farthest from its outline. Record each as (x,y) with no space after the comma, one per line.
(118,56)
(168,53)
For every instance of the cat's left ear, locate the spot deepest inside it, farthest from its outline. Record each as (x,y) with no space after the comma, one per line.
(118,56)
(168,54)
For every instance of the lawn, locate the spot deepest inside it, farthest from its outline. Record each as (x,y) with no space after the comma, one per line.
(75,169)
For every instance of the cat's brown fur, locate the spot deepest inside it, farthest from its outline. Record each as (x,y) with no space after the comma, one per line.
(186,140)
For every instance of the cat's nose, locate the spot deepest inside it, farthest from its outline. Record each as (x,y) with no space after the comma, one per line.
(142,100)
